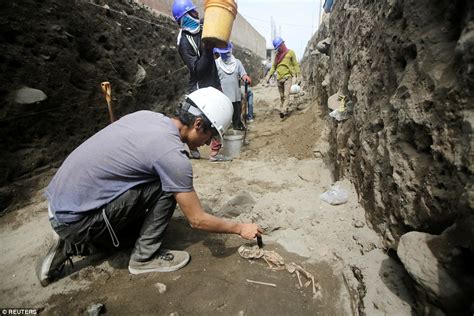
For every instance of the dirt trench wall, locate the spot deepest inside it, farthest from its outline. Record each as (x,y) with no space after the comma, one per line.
(407,68)
(66,49)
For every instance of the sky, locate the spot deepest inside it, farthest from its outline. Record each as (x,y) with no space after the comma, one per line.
(298,20)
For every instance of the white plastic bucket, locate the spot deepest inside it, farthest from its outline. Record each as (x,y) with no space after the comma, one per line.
(232,144)
(219,16)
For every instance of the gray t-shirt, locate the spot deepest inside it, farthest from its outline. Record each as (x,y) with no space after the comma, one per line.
(230,76)
(141,147)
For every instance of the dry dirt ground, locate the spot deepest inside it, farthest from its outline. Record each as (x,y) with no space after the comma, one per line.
(276,181)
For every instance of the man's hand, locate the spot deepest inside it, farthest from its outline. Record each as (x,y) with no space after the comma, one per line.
(247,78)
(198,219)
(250,231)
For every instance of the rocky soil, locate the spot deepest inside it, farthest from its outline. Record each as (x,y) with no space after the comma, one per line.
(402,150)
(276,181)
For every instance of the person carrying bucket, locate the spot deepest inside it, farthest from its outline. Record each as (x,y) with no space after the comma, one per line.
(231,71)
(120,187)
(287,69)
(198,57)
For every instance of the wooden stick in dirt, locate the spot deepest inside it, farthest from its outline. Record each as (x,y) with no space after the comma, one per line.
(261,283)
(107,90)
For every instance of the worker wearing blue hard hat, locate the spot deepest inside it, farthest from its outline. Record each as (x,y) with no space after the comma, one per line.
(197,57)
(288,71)
(277,41)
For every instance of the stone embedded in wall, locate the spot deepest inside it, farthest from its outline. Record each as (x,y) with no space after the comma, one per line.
(140,75)
(323,46)
(28,95)
(438,265)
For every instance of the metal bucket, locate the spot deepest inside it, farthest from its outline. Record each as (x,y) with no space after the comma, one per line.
(232,144)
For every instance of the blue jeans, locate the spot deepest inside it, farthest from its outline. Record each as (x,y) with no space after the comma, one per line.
(249,105)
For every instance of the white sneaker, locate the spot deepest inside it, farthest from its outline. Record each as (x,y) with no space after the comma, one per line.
(50,265)
(219,158)
(166,261)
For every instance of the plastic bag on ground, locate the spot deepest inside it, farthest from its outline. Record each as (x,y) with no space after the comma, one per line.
(335,195)
(338,115)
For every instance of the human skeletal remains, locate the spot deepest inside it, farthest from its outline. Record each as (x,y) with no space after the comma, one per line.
(276,262)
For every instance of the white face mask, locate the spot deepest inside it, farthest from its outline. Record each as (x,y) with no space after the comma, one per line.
(190,24)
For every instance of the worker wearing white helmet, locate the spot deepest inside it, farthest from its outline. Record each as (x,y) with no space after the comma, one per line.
(121,186)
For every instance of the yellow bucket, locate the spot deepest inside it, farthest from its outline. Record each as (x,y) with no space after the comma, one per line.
(219,15)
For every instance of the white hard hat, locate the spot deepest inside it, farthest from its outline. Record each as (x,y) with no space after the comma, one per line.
(215,105)
(295,89)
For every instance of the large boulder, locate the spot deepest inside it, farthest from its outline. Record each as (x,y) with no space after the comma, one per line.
(437,263)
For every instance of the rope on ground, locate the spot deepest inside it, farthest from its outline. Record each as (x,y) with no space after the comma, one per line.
(159,78)
(129,16)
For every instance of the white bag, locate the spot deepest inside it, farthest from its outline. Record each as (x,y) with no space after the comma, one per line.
(295,89)
(335,195)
